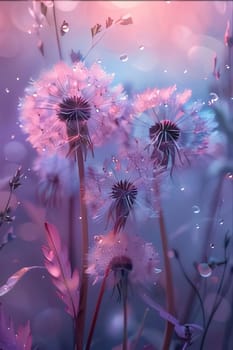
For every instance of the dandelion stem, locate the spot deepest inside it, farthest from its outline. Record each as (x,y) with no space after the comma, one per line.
(168,273)
(140,330)
(208,233)
(195,290)
(125,311)
(56,31)
(217,301)
(97,308)
(4,213)
(71,238)
(80,326)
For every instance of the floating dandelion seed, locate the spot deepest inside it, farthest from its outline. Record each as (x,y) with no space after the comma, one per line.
(71,108)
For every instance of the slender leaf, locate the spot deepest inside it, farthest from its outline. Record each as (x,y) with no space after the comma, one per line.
(11,340)
(96,29)
(12,280)
(109,22)
(58,266)
(125,20)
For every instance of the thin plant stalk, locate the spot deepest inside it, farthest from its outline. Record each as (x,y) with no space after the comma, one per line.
(216,303)
(125,313)
(97,308)
(71,237)
(195,290)
(80,327)
(168,273)
(208,233)
(56,31)
(140,330)
(6,207)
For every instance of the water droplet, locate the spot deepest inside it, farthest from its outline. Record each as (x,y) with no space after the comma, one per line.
(214,97)
(204,270)
(221,221)
(97,110)
(141,47)
(230,176)
(80,217)
(185,71)
(7,90)
(197,226)
(165,71)
(227,66)
(98,239)
(182,189)
(196,209)
(17,78)
(12,137)
(124,57)
(29,31)
(212,245)
(64,28)
(99,60)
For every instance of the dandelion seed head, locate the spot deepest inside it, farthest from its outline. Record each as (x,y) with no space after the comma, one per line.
(173,127)
(67,108)
(117,194)
(57,178)
(120,252)
(74,109)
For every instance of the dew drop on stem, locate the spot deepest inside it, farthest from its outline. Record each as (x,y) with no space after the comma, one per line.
(204,270)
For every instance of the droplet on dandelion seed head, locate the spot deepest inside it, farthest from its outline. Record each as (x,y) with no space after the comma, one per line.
(212,245)
(197,226)
(227,66)
(196,209)
(204,270)
(141,47)
(7,90)
(124,57)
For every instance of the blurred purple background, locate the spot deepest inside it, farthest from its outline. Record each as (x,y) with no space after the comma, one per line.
(169,42)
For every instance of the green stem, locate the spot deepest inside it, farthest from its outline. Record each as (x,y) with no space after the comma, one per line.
(80,327)
(97,308)
(168,272)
